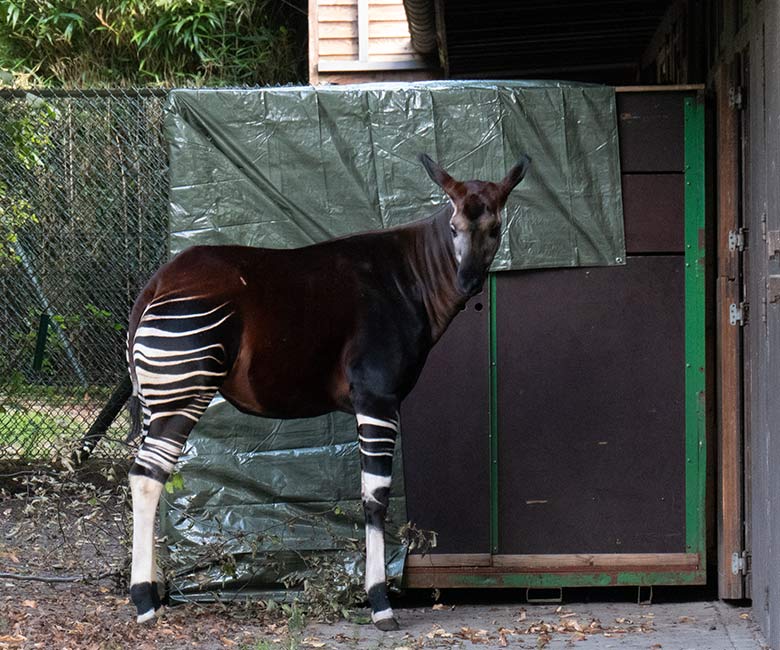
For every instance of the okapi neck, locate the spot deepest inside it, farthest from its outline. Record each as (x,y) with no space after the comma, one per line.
(438,272)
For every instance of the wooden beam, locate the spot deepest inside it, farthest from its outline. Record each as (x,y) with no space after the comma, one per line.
(314,41)
(574,562)
(448,559)
(730,514)
(607,562)
(665,88)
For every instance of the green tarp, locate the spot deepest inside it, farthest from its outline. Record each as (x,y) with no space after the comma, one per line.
(287,167)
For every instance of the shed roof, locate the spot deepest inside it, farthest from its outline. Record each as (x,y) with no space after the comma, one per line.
(537,38)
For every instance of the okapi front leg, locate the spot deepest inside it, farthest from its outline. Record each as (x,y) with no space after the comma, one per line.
(377,441)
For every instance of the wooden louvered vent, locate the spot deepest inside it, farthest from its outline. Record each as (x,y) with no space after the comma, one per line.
(363,39)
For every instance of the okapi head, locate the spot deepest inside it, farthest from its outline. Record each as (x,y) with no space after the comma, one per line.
(476,219)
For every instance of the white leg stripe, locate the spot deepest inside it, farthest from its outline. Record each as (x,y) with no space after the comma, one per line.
(367,419)
(380,616)
(146,494)
(375,557)
(371,482)
(364,439)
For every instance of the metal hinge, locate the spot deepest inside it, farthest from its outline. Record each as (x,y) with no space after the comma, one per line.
(738,313)
(772,238)
(736,98)
(740,563)
(737,239)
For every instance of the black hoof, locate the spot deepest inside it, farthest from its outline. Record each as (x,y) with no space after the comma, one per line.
(387,625)
(146,599)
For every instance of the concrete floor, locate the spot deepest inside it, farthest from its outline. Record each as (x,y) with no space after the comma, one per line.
(703,625)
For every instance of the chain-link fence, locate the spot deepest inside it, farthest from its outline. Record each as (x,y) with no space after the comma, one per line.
(83,224)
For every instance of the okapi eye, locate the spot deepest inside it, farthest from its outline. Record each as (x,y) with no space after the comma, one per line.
(454,231)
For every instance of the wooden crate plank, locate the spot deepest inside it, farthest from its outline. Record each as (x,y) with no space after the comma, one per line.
(444,424)
(448,559)
(591,426)
(654,213)
(598,561)
(650,128)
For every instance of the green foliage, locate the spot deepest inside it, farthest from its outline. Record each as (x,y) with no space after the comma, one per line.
(174,482)
(81,326)
(26,140)
(150,42)
(24,430)
(332,584)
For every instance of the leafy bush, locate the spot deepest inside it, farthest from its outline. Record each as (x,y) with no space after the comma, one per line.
(151,42)
(24,138)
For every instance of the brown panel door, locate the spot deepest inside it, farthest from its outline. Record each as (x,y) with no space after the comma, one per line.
(445,424)
(591,409)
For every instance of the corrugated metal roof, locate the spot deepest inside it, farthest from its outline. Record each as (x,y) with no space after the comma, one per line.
(500,38)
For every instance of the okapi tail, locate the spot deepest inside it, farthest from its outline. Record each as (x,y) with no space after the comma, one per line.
(134,406)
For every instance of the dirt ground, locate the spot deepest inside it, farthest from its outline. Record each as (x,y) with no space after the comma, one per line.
(76,531)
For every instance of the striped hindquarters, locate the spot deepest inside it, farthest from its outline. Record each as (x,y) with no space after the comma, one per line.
(179,360)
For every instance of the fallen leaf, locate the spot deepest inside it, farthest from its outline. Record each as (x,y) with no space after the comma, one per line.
(313,642)
(16,639)
(228,642)
(29,603)
(744,616)
(439,607)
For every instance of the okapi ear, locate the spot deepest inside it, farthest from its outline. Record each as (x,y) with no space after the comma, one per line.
(437,173)
(515,175)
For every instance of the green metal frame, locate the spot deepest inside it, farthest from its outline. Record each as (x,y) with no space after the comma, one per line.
(695,400)
(695,333)
(493,418)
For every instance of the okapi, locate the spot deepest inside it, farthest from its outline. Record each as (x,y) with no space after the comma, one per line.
(343,325)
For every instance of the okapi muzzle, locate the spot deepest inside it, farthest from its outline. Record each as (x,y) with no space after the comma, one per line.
(344,325)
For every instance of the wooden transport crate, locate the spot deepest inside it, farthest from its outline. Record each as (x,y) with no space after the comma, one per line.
(557,435)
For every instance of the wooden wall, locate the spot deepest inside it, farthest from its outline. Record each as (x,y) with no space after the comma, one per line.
(762,358)
(741,50)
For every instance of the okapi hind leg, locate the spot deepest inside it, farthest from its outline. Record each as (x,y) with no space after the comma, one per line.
(143,577)
(153,465)
(377,441)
